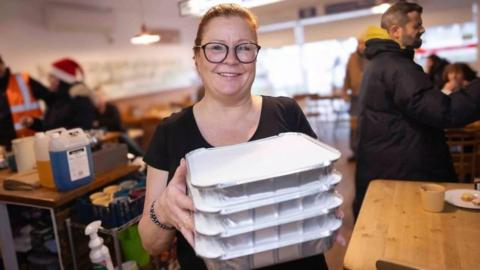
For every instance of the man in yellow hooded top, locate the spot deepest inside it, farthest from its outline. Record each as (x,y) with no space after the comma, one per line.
(353,78)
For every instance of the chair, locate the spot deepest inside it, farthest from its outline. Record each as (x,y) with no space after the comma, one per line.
(309,104)
(383,264)
(464,145)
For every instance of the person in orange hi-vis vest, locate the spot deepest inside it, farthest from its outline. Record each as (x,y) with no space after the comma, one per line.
(18,100)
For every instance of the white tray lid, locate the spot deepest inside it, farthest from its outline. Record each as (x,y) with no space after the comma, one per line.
(261,159)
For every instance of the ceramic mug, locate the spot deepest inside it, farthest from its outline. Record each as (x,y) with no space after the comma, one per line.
(433,197)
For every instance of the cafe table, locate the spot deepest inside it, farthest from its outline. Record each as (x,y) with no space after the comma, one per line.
(55,202)
(392,226)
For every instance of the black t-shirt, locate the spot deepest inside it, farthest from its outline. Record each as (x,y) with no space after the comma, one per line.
(179,134)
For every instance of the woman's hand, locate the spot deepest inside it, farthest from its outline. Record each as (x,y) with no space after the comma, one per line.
(452,86)
(174,207)
(339,238)
(26,121)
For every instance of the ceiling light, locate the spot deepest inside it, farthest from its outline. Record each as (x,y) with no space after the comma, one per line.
(144,37)
(198,7)
(380,9)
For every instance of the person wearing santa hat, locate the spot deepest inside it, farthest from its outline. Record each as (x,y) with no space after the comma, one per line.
(19,94)
(74,103)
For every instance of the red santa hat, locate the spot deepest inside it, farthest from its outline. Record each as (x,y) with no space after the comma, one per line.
(67,70)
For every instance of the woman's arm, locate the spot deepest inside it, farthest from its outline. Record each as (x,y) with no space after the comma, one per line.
(154,239)
(172,208)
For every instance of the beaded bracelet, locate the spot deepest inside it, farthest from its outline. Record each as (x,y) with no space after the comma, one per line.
(154,219)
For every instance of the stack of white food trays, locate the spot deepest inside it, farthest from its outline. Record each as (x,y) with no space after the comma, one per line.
(264,202)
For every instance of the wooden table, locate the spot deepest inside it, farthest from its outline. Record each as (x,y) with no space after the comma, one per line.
(393,226)
(47,199)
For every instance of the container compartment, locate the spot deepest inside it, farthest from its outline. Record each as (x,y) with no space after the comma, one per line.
(274,256)
(229,170)
(265,239)
(265,216)
(251,194)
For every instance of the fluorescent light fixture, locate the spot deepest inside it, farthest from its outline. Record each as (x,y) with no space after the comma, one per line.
(256,3)
(380,9)
(199,7)
(144,37)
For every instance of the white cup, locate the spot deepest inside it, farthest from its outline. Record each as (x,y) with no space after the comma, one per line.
(433,197)
(23,148)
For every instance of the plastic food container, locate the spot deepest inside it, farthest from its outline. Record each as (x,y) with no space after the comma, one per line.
(266,242)
(276,165)
(234,221)
(263,202)
(278,255)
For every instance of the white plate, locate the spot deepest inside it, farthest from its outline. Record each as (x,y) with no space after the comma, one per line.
(453,196)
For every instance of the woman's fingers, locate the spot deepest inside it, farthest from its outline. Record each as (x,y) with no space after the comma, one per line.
(188,234)
(184,202)
(340,239)
(184,219)
(339,213)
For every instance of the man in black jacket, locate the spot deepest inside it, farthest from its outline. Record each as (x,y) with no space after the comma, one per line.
(402,116)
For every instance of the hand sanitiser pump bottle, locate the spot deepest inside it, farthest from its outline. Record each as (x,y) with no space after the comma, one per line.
(99,253)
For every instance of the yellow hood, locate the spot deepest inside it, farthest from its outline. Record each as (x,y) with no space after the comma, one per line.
(374,32)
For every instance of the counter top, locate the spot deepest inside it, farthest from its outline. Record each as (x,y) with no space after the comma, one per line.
(51,198)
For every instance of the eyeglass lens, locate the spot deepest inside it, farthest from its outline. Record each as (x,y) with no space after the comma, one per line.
(217,52)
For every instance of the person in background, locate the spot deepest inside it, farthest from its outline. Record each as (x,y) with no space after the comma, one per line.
(402,115)
(351,87)
(73,102)
(225,53)
(469,73)
(456,76)
(107,117)
(434,67)
(18,99)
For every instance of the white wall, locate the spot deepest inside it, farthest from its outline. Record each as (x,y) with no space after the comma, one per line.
(27,44)
(446,12)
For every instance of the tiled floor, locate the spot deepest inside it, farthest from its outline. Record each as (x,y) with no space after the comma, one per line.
(337,135)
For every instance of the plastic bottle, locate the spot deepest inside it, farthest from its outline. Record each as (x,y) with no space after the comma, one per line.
(71,159)
(43,160)
(99,253)
(44,166)
(476,183)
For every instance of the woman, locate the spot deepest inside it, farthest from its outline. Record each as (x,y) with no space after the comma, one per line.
(225,52)
(456,76)
(434,67)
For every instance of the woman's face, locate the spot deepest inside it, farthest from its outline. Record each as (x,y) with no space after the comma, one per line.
(455,76)
(229,78)
(54,83)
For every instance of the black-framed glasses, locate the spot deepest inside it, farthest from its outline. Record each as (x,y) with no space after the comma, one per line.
(216,52)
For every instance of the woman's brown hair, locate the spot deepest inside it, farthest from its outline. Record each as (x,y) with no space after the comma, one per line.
(225,10)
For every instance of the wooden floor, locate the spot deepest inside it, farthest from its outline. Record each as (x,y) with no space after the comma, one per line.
(337,135)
